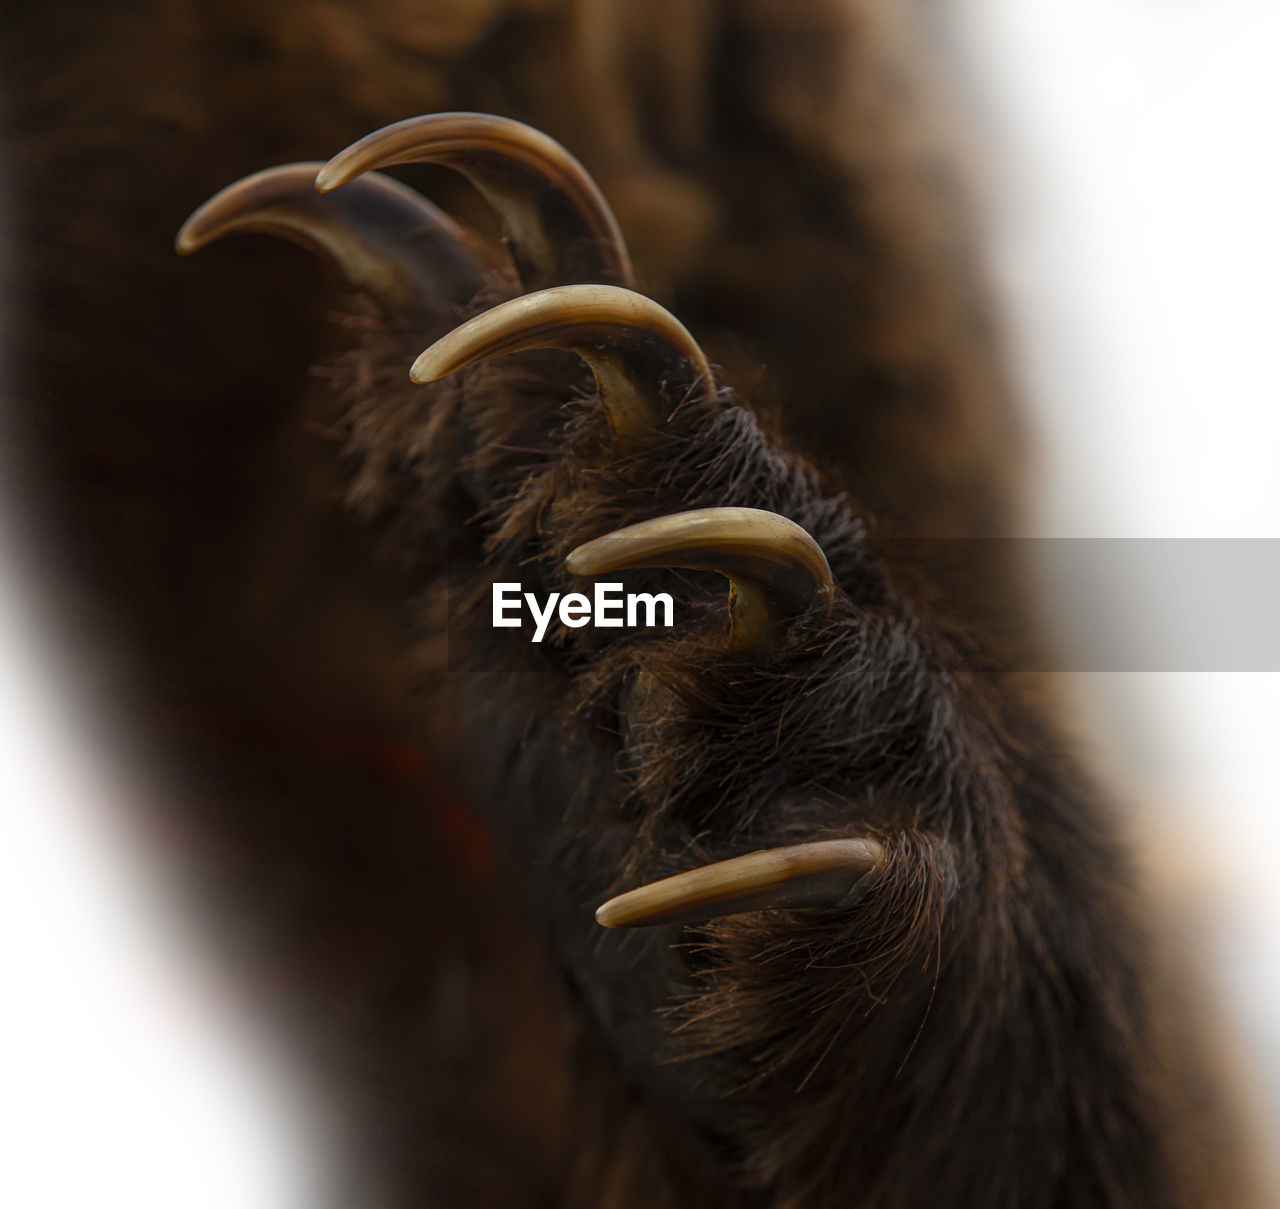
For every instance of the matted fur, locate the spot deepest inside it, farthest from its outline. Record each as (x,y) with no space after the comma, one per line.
(288,578)
(980,1026)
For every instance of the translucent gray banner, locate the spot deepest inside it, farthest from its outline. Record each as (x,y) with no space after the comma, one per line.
(1098,605)
(1161,605)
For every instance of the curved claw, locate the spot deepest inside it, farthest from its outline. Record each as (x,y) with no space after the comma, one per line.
(633,346)
(383,236)
(558,226)
(825,873)
(775,569)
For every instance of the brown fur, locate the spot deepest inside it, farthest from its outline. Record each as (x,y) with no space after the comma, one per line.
(984,1028)
(981,1025)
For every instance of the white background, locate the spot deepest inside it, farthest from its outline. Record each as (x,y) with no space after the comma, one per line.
(1135,236)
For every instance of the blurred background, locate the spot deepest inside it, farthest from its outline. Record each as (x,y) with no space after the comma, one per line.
(1134,238)
(1131,225)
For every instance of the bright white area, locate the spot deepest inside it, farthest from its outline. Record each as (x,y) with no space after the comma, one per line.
(1137,238)
(1140,242)
(132,1075)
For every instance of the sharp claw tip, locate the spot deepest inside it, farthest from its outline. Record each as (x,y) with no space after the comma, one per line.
(327,179)
(184,243)
(590,558)
(603,916)
(422,371)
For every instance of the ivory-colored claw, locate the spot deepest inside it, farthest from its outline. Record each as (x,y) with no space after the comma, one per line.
(384,237)
(559,228)
(825,873)
(775,569)
(633,346)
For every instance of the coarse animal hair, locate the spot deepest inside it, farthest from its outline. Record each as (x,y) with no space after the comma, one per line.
(415,814)
(813,1050)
